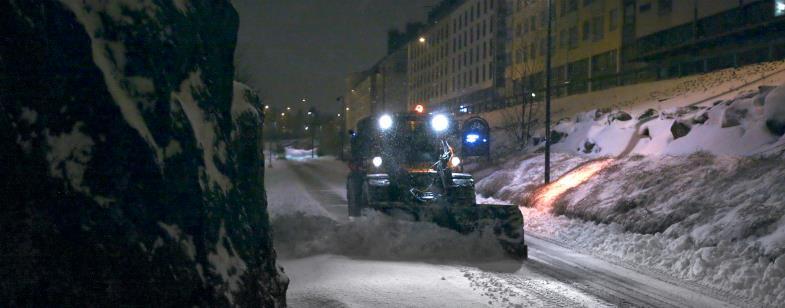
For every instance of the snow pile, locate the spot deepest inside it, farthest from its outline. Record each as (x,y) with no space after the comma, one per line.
(716,221)
(751,123)
(693,192)
(737,267)
(380,237)
(298,154)
(515,184)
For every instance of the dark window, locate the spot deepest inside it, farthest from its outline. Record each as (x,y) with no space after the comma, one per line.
(613,15)
(586,30)
(645,7)
(664,6)
(533,23)
(573,38)
(598,23)
(572,5)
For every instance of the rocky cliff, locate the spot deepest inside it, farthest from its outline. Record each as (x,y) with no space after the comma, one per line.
(130,175)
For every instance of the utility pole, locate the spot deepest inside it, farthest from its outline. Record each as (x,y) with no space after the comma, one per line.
(548,95)
(342,127)
(312,128)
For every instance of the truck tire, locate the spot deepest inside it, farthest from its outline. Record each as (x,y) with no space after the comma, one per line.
(353,196)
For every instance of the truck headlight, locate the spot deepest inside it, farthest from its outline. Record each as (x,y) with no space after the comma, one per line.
(379,182)
(463,182)
(377,161)
(440,123)
(385,122)
(455,161)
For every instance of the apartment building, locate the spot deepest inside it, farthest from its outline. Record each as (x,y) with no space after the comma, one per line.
(455,59)
(586,44)
(360,98)
(682,37)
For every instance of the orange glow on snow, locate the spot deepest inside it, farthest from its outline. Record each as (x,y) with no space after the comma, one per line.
(546,195)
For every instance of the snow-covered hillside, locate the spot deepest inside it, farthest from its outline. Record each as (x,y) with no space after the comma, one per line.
(751,123)
(694,192)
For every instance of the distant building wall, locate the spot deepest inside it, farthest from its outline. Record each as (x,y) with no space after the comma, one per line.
(678,38)
(392,82)
(586,44)
(454,57)
(360,97)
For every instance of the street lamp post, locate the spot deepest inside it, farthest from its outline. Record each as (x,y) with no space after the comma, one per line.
(548,95)
(312,125)
(342,129)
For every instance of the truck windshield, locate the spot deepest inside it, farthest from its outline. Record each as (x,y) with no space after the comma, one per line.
(410,142)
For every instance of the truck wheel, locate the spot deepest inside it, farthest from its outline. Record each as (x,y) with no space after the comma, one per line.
(353,197)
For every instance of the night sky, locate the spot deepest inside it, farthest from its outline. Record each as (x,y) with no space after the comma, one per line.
(305,48)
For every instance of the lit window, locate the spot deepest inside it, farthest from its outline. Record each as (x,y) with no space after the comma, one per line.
(779,8)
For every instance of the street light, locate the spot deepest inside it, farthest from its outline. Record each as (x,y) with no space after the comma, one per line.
(422,40)
(288,108)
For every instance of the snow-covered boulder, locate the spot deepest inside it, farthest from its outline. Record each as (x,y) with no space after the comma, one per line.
(619,116)
(774,108)
(648,114)
(130,176)
(735,113)
(679,129)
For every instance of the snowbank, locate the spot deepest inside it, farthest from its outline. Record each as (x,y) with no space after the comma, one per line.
(718,221)
(298,154)
(751,123)
(693,191)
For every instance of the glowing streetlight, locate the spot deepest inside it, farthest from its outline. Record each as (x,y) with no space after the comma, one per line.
(304,100)
(288,108)
(266,107)
(339,115)
(347,108)
(283,114)
(422,40)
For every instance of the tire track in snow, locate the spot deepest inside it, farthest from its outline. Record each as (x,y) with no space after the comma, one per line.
(532,290)
(329,199)
(619,285)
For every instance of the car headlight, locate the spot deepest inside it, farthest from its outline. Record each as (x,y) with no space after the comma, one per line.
(385,122)
(377,161)
(440,123)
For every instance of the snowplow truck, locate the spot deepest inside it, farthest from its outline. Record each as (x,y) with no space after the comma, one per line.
(403,165)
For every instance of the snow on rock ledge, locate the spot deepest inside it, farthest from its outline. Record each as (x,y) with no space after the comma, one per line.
(132,171)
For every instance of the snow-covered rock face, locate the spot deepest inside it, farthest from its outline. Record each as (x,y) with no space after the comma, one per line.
(132,166)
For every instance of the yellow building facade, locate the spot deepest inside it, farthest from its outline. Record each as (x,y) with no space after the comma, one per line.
(587,40)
